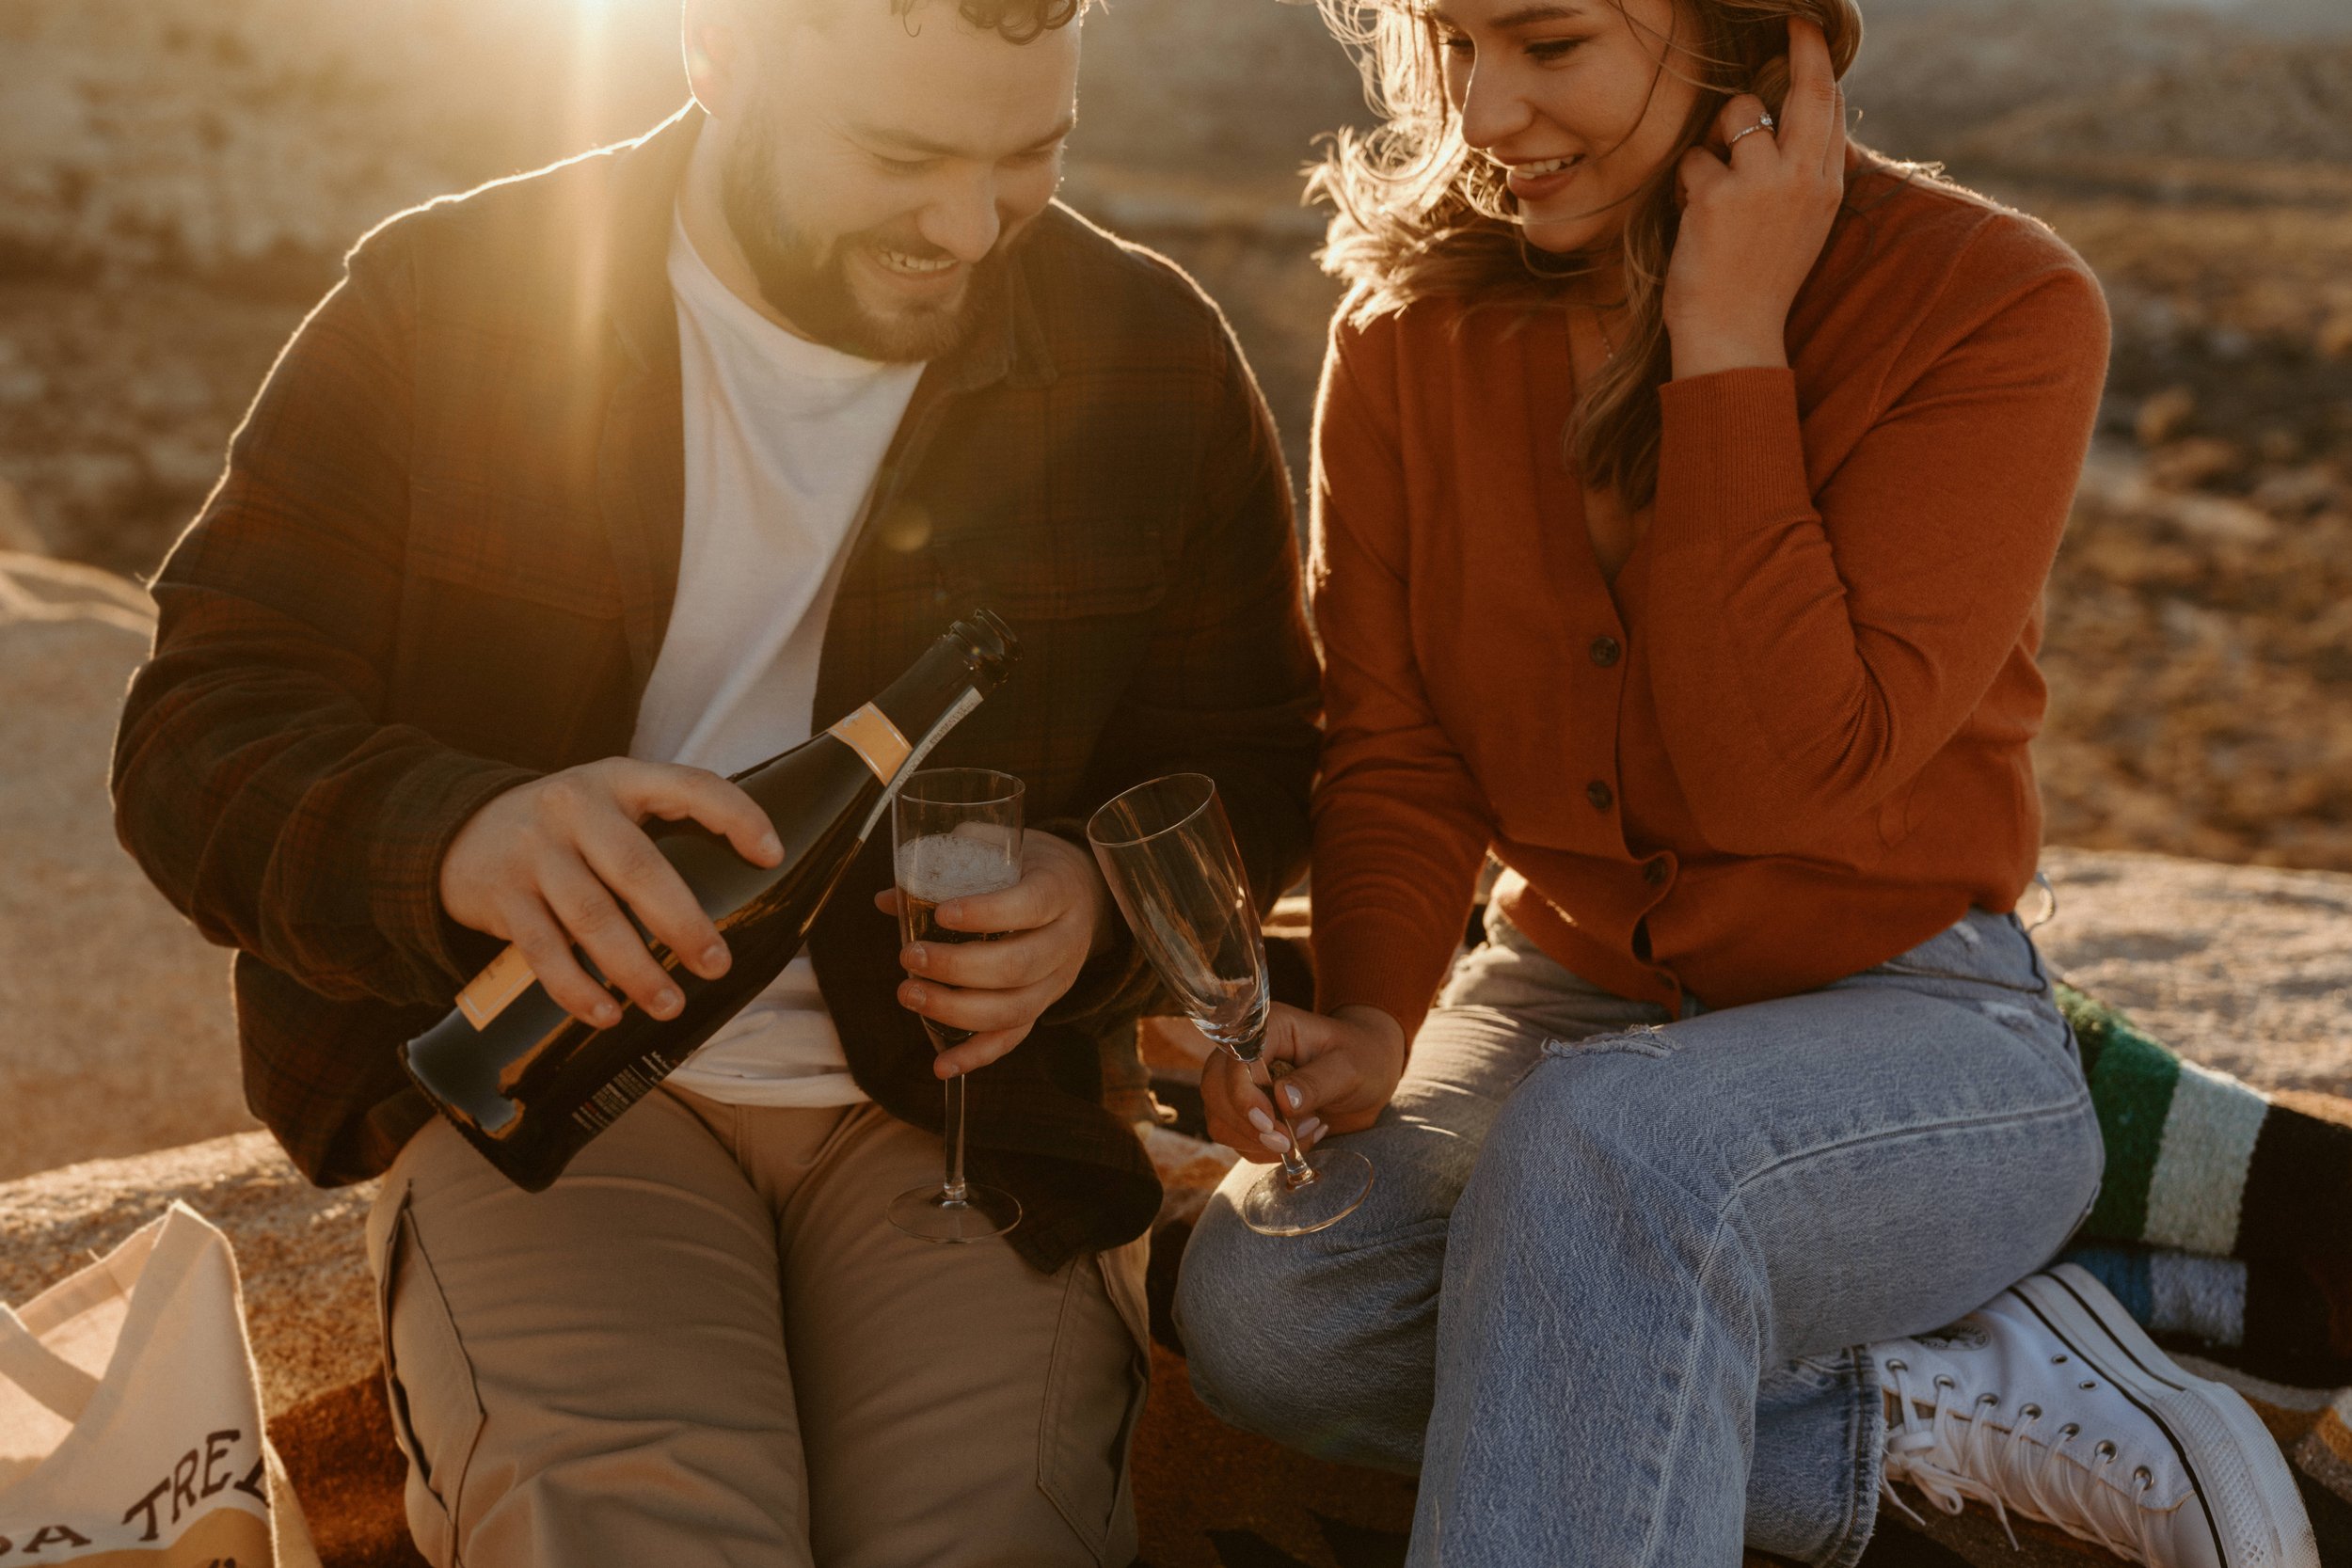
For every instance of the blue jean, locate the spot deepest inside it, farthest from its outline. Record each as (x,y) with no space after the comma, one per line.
(1609,1292)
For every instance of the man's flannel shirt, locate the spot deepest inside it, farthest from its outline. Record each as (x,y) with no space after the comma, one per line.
(441,563)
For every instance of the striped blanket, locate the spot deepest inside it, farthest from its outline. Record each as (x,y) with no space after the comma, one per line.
(2288,1319)
(2224,1225)
(2200,1163)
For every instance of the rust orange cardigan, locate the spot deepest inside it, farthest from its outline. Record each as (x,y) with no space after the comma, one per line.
(1791,742)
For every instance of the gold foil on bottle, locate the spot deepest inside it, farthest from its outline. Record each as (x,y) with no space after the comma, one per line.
(869,733)
(487,993)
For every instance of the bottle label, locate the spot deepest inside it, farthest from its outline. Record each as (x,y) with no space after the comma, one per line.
(869,733)
(628,1086)
(486,994)
(938,732)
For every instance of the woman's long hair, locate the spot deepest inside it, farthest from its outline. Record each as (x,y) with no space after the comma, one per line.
(1418,213)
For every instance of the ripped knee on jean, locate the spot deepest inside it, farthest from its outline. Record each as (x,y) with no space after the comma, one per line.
(1643,1040)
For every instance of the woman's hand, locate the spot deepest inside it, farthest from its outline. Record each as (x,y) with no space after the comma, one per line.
(1347,1065)
(1757,208)
(1046,925)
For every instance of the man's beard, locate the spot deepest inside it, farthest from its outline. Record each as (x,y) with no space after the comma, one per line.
(807,281)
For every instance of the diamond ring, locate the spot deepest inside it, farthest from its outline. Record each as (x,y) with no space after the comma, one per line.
(1767,123)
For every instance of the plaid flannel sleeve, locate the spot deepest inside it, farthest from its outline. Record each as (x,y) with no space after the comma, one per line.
(1231,686)
(255,779)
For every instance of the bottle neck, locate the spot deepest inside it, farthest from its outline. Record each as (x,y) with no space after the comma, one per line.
(887,732)
(895,732)
(934,693)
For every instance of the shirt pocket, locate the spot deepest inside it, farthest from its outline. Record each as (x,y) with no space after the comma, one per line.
(512,640)
(543,550)
(1073,549)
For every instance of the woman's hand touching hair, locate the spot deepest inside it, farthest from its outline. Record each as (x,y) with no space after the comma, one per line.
(1758,203)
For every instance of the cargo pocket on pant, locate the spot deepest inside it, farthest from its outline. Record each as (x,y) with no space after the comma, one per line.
(1094,1393)
(429,1385)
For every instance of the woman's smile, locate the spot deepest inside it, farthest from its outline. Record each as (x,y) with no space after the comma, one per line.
(1539,178)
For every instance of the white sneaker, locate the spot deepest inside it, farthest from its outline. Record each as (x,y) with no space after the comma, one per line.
(2049,1401)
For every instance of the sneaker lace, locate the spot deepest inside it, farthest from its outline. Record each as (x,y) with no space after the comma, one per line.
(1952,1458)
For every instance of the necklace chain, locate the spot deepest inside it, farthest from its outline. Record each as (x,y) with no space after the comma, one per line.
(1607,340)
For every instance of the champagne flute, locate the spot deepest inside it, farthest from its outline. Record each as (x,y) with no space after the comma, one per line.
(1167,853)
(955,833)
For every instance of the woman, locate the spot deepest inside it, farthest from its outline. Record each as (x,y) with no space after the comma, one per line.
(1686,483)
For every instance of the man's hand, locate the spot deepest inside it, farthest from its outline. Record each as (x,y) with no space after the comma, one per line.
(549,864)
(1055,918)
(1346,1070)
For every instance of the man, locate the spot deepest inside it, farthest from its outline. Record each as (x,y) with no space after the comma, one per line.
(580,492)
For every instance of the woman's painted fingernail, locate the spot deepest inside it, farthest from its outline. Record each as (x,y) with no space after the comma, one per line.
(1275,1142)
(1290,1092)
(1310,1128)
(1260,1120)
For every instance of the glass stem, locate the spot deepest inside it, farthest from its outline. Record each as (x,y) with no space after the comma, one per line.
(953,1192)
(1296,1171)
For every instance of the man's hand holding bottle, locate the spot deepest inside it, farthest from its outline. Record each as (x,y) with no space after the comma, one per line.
(552,863)
(560,862)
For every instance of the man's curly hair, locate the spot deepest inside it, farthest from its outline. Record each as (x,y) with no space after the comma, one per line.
(1017,20)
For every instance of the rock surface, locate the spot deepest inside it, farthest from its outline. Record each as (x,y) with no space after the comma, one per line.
(2243,968)
(307,1299)
(116,1036)
(2246,969)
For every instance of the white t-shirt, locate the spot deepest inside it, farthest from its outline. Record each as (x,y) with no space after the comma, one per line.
(783,440)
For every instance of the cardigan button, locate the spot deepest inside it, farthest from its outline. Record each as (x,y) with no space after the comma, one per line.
(1607,650)
(1600,795)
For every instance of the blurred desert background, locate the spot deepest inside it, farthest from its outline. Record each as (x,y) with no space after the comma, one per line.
(179,178)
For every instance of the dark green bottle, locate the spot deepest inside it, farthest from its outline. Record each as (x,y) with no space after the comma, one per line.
(529,1084)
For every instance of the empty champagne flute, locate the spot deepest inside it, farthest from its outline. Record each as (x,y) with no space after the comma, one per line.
(1167,853)
(955,833)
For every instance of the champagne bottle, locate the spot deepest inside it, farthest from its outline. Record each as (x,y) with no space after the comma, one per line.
(529,1084)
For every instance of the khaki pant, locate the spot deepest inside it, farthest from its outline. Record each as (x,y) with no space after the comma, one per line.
(706,1345)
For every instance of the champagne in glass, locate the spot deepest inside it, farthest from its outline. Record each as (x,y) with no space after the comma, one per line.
(1168,855)
(956,834)
(939,868)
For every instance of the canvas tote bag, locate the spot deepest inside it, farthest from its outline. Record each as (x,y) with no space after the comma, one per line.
(131,1418)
